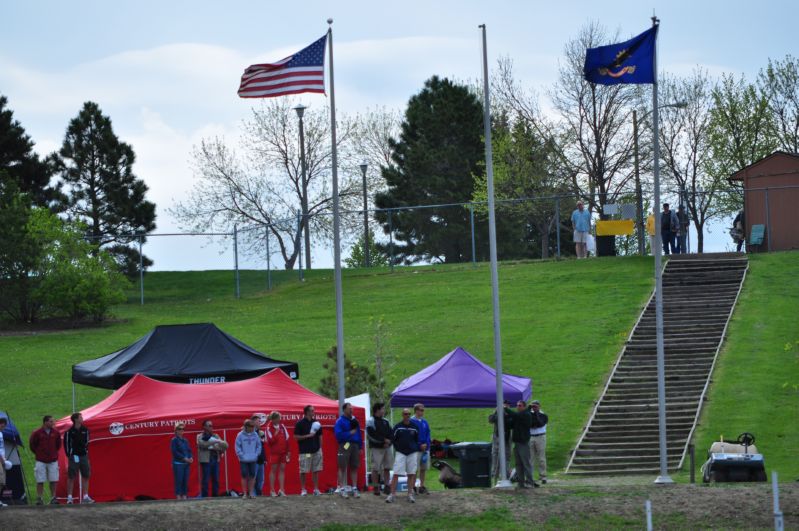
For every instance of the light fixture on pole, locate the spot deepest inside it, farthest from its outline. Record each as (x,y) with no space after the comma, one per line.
(365,166)
(300,109)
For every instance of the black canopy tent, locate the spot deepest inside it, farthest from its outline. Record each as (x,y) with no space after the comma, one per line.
(188,353)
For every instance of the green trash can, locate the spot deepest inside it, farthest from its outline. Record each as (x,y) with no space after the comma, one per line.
(475,461)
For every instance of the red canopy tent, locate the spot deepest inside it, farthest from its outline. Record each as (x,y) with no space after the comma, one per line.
(132,428)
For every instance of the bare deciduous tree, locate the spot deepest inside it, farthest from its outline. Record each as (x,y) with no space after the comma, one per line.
(598,145)
(684,146)
(265,188)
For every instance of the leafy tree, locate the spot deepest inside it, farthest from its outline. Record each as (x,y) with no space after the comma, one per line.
(30,174)
(47,268)
(779,83)
(433,162)
(75,281)
(684,141)
(265,187)
(377,255)
(102,191)
(524,168)
(741,133)
(19,253)
(357,378)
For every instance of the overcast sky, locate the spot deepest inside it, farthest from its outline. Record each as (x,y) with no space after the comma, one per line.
(167,72)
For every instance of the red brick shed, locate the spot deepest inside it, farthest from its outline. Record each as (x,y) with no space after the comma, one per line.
(771,198)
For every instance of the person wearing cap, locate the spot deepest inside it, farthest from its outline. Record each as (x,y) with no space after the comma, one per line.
(492,419)
(308,433)
(181,461)
(248,448)
(538,440)
(76,447)
(682,230)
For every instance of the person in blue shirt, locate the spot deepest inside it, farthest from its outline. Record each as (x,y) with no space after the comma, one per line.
(348,436)
(181,462)
(424,445)
(581,223)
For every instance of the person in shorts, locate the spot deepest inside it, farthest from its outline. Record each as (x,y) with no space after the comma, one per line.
(406,444)
(248,448)
(425,440)
(45,444)
(308,433)
(277,437)
(581,224)
(380,437)
(348,436)
(76,448)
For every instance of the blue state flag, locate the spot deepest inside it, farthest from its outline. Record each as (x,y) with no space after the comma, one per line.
(631,61)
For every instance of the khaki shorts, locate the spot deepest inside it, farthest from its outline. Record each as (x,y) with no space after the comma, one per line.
(405,464)
(81,466)
(382,459)
(349,457)
(580,237)
(44,472)
(311,462)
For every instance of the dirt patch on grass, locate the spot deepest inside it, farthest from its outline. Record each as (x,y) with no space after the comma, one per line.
(677,506)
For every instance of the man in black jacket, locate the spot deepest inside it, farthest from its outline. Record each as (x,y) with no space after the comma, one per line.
(308,434)
(76,446)
(406,443)
(522,421)
(379,434)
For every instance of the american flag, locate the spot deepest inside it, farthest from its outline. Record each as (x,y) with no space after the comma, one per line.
(302,72)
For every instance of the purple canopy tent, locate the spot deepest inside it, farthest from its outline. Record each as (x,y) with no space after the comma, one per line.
(459,380)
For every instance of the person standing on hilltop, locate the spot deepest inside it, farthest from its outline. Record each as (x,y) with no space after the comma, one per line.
(581,224)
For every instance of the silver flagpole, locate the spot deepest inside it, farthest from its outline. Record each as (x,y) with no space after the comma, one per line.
(336,237)
(492,242)
(661,361)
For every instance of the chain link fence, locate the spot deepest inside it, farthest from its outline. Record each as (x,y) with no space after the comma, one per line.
(527,228)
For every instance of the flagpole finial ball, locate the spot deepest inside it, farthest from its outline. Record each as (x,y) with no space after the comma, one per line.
(330,21)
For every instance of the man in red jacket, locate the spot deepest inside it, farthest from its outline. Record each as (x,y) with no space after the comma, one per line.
(45,444)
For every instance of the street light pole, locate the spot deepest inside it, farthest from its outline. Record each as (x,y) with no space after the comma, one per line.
(304,187)
(638,196)
(364,167)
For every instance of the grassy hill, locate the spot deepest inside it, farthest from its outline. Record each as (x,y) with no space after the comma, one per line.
(563,324)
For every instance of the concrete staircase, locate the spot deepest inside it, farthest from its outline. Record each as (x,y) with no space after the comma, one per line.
(699,294)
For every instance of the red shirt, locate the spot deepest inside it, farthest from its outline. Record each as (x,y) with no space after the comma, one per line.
(277,437)
(45,446)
